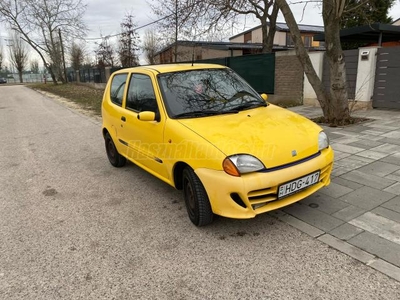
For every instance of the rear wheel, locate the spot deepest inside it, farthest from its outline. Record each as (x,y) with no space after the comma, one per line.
(196,199)
(116,159)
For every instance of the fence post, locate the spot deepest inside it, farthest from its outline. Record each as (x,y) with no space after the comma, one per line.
(107,72)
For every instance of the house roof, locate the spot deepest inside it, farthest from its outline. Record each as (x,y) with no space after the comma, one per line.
(396,21)
(215,45)
(373,33)
(280,26)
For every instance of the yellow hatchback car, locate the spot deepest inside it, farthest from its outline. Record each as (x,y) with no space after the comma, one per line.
(202,129)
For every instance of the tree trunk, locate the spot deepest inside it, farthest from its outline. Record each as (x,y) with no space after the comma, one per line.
(269,35)
(20,77)
(338,113)
(334,103)
(304,58)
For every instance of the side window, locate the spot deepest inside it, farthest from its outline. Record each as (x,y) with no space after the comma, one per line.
(117,88)
(141,95)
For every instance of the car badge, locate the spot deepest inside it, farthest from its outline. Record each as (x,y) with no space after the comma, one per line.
(294,153)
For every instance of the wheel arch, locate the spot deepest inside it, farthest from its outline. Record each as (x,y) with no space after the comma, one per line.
(178,173)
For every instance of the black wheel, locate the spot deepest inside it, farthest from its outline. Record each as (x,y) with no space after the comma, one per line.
(116,159)
(196,199)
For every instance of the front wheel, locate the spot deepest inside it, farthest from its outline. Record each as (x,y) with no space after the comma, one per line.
(196,199)
(116,159)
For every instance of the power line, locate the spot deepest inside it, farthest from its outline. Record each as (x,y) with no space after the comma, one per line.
(137,28)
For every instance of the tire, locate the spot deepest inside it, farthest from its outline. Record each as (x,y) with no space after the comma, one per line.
(196,199)
(116,159)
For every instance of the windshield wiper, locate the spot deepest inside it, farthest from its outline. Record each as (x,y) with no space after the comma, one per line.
(203,113)
(249,105)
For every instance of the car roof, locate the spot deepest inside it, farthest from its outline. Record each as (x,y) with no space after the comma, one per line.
(168,68)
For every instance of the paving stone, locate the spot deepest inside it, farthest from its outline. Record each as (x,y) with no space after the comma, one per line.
(390,141)
(379,225)
(340,155)
(379,168)
(378,246)
(386,148)
(395,134)
(394,189)
(346,231)
(393,177)
(376,131)
(387,213)
(333,136)
(338,171)
(367,198)
(370,137)
(346,140)
(347,248)
(392,159)
(393,204)
(335,190)
(346,148)
(350,184)
(386,268)
(380,126)
(324,203)
(349,213)
(353,162)
(313,217)
(368,179)
(365,146)
(372,154)
(302,226)
(356,128)
(367,143)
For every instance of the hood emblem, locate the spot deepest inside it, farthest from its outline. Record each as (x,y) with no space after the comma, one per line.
(294,153)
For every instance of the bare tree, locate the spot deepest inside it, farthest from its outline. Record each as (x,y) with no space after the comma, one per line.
(40,22)
(18,54)
(1,57)
(35,66)
(334,101)
(150,46)
(77,56)
(128,43)
(105,53)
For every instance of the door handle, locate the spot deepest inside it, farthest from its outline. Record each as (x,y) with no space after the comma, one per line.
(123,119)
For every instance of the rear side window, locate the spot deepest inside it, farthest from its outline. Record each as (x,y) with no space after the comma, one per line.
(141,95)
(118,88)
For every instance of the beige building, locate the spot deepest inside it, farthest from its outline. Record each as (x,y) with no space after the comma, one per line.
(248,42)
(397,22)
(187,51)
(283,38)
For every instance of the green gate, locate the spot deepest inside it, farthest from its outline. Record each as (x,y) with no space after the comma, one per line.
(258,69)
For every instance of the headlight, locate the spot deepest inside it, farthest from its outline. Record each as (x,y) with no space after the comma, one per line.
(236,165)
(323,141)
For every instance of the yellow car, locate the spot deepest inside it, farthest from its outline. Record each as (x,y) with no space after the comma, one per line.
(202,129)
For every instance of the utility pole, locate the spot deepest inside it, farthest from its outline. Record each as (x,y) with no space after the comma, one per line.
(63,56)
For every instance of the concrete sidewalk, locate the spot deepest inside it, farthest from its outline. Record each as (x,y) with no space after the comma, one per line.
(359,213)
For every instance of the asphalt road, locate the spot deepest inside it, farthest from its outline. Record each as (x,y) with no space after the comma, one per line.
(74,227)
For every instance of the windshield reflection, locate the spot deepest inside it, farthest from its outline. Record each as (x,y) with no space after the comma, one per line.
(205,92)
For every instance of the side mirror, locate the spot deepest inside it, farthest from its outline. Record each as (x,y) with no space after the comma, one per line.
(147,116)
(265,97)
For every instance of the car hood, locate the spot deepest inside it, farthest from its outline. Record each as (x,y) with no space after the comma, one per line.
(274,135)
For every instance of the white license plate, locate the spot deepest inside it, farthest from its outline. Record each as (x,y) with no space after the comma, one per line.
(298,185)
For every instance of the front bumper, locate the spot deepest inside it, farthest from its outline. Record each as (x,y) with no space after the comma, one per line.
(255,193)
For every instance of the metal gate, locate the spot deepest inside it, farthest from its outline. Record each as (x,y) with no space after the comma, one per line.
(351,60)
(387,79)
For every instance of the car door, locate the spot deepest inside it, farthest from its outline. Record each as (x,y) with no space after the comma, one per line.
(144,139)
(112,109)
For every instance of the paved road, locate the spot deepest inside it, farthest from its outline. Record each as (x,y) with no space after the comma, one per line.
(73,227)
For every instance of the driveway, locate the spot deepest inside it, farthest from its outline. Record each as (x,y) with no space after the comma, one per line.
(73,227)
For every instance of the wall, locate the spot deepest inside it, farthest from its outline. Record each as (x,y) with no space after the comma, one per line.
(309,97)
(397,22)
(289,78)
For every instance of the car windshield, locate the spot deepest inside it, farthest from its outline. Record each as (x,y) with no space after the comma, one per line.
(206,92)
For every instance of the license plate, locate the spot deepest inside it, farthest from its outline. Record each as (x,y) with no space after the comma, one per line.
(298,185)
